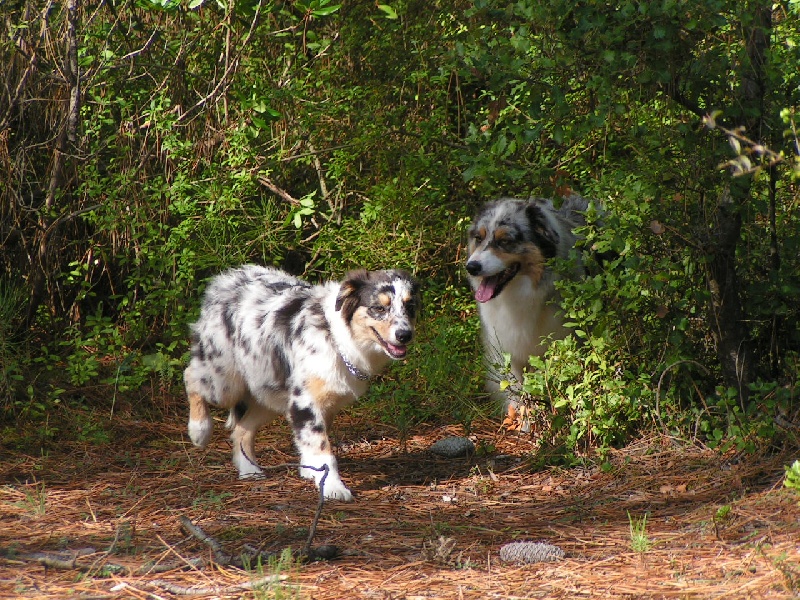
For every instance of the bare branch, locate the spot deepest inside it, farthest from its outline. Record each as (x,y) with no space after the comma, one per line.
(224,82)
(278,191)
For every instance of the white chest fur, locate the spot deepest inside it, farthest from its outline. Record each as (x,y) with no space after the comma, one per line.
(515,321)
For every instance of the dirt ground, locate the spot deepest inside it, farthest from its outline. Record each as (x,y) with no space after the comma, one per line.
(92,520)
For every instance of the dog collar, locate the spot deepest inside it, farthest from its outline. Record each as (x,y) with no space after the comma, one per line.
(354,370)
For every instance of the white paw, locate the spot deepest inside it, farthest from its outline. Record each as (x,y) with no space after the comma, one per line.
(307,473)
(333,487)
(246,468)
(200,432)
(336,490)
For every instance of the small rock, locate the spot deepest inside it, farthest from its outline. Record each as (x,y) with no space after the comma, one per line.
(325,552)
(530,552)
(453,447)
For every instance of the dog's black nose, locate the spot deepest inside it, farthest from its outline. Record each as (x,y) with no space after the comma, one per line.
(403,335)
(473,267)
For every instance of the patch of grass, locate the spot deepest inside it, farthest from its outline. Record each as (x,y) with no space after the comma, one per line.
(792,480)
(283,564)
(640,543)
(789,570)
(211,500)
(35,502)
(722,517)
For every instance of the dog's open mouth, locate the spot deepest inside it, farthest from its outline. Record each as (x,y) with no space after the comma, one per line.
(394,350)
(490,287)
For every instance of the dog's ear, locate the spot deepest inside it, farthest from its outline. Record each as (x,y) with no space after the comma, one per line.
(416,290)
(348,299)
(543,233)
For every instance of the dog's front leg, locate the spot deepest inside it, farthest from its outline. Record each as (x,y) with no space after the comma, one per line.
(311,438)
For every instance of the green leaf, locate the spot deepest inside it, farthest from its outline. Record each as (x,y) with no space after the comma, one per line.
(326,10)
(390,12)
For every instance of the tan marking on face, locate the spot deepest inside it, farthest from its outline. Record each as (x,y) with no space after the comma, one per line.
(364,327)
(533,262)
(385,299)
(473,243)
(501,234)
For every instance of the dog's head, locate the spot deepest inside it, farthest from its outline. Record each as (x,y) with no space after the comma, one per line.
(381,309)
(510,238)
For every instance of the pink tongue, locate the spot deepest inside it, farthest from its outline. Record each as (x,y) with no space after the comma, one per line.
(485,290)
(396,350)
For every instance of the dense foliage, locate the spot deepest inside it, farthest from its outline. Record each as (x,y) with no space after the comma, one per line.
(147,144)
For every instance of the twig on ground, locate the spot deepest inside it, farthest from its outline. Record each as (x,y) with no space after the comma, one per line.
(306,551)
(215,590)
(313,529)
(220,556)
(58,560)
(186,563)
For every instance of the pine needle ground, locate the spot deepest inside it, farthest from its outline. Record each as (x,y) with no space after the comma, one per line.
(718,526)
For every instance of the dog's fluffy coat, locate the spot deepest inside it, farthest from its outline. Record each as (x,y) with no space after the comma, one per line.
(269,344)
(510,243)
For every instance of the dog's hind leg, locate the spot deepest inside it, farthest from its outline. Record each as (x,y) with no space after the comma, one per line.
(245,419)
(200,423)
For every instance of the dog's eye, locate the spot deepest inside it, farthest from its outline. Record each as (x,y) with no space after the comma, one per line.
(378,310)
(478,238)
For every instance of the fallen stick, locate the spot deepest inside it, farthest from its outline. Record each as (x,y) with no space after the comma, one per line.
(222,557)
(67,559)
(307,552)
(216,590)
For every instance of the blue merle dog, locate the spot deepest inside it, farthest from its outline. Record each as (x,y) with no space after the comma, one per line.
(270,344)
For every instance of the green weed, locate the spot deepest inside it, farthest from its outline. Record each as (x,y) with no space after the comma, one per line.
(277,568)
(640,543)
(211,500)
(35,501)
(792,478)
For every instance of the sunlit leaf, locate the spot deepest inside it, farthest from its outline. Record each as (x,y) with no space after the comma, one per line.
(388,10)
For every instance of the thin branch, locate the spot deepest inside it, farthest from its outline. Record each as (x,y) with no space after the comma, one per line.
(313,529)
(278,191)
(144,48)
(67,559)
(220,556)
(307,551)
(213,590)
(223,84)
(316,152)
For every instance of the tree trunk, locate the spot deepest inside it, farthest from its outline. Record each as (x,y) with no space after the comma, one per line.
(39,280)
(728,314)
